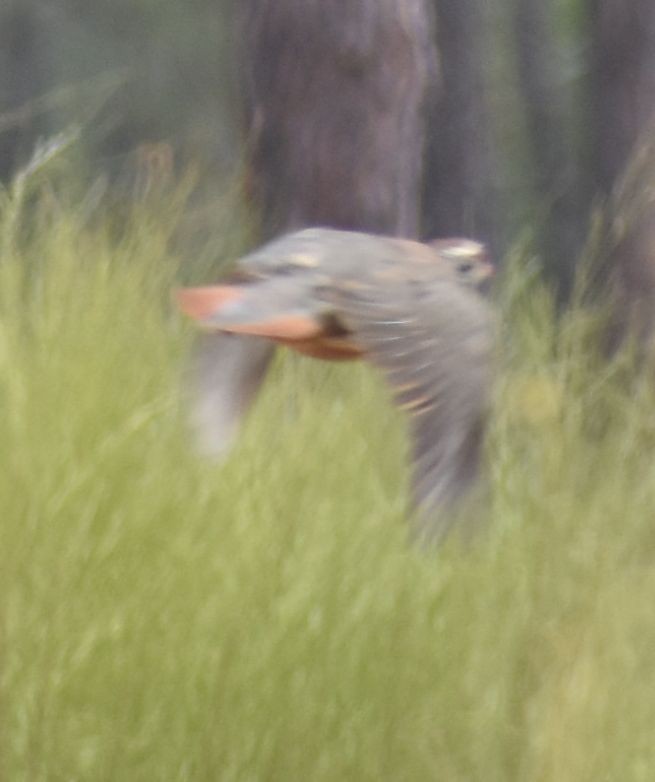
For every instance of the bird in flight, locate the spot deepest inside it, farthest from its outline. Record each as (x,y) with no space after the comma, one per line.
(412,310)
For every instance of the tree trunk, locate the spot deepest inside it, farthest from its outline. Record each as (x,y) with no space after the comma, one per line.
(624,104)
(334,101)
(459,191)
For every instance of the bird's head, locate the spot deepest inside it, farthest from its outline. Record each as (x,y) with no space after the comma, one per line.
(469,260)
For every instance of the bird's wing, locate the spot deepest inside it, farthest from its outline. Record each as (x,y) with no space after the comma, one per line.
(225,373)
(433,342)
(229,363)
(272,309)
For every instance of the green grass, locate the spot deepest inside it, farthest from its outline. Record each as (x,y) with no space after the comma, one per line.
(166,619)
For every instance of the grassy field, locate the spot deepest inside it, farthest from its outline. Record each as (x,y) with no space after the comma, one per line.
(166,619)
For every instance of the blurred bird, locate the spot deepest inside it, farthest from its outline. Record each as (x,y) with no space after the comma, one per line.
(412,310)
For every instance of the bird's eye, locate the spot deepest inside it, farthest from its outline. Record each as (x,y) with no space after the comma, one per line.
(465,268)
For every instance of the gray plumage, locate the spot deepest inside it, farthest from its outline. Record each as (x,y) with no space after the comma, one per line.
(224,376)
(410,309)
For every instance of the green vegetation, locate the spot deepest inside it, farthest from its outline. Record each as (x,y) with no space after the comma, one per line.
(167,619)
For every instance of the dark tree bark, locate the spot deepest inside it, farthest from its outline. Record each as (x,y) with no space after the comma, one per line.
(624,112)
(334,94)
(459,190)
(21,80)
(561,191)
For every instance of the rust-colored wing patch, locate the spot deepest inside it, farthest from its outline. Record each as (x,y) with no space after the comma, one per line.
(283,328)
(201,303)
(248,309)
(326,348)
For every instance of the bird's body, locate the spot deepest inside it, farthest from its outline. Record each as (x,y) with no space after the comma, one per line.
(411,309)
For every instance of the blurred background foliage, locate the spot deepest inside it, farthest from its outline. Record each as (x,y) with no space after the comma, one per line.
(165,619)
(539,109)
(142,71)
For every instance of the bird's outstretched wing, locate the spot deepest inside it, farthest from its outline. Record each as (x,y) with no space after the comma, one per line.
(433,343)
(225,373)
